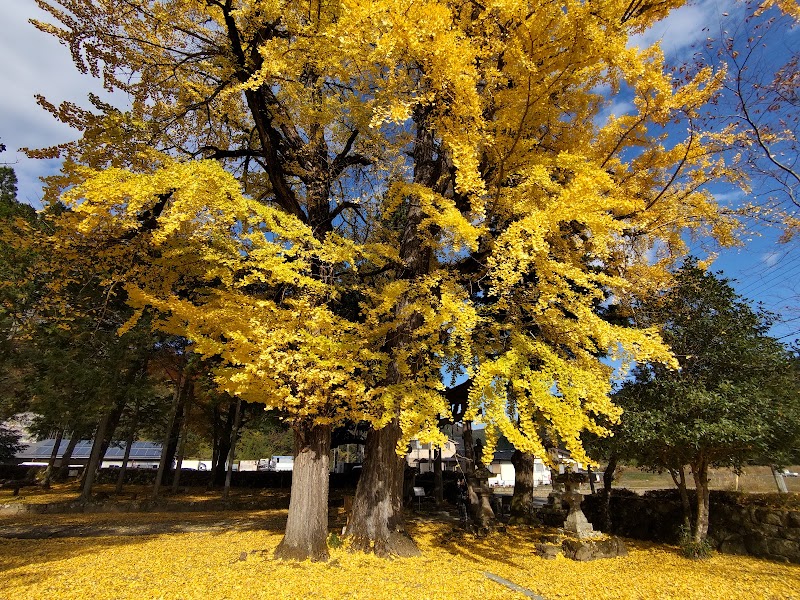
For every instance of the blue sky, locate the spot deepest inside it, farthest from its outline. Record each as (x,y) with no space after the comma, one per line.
(34,63)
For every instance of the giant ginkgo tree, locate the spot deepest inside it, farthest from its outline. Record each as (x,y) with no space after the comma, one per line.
(338,200)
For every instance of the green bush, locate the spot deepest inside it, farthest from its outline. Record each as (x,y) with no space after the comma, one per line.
(692,549)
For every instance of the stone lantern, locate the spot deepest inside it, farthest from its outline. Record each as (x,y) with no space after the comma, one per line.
(576,521)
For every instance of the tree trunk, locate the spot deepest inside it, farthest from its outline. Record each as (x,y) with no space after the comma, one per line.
(232,454)
(480,509)
(171,449)
(223,447)
(48,473)
(608,473)
(176,401)
(307,526)
(94,458)
(679,477)
(590,474)
(215,437)
(128,445)
(608,478)
(176,477)
(700,472)
(111,427)
(105,431)
(63,467)
(522,500)
(438,483)
(376,523)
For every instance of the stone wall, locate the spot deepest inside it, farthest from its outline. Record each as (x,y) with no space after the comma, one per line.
(770,532)
(764,525)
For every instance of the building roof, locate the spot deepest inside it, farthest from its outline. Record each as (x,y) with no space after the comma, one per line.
(42,450)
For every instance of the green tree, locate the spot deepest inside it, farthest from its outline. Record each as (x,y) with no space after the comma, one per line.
(60,355)
(9,443)
(8,185)
(264,435)
(729,401)
(20,287)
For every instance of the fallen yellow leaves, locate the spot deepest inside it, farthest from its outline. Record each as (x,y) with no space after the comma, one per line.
(236,562)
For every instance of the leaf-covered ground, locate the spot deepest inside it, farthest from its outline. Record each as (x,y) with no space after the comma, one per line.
(231,557)
(70,492)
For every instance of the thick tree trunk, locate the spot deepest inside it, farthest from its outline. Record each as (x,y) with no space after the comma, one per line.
(438,482)
(237,420)
(63,467)
(307,527)
(522,500)
(700,472)
(376,523)
(376,520)
(48,473)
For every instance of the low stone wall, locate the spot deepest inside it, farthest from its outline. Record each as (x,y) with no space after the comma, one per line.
(757,530)
(765,525)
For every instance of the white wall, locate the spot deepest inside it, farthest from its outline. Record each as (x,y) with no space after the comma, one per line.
(505,473)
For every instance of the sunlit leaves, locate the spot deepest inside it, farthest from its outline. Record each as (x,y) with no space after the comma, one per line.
(207,563)
(330,125)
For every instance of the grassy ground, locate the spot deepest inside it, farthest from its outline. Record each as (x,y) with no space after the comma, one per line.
(753,480)
(228,554)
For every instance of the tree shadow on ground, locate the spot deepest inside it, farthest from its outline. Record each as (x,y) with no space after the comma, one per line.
(494,546)
(46,538)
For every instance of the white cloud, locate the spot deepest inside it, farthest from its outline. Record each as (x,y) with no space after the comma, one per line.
(617,107)
(689,26)
(771,258)
(35,63)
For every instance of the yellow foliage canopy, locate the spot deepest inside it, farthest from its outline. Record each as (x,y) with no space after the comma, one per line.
(289,256)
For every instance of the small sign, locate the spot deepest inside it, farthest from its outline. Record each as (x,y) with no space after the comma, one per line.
(419,492)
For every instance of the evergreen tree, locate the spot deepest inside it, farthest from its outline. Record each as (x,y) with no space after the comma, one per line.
(733,398)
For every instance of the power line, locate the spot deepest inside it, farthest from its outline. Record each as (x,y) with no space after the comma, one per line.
(757,287)
(775,270)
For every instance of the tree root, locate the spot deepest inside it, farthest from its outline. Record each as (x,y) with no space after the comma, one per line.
(398,544)
(317,553)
